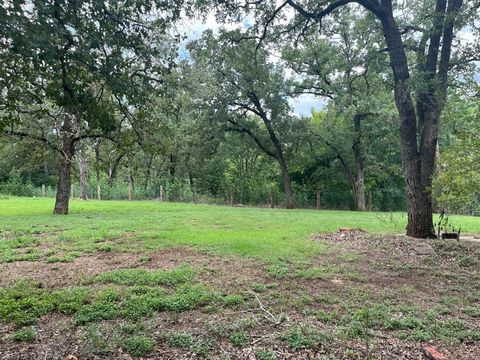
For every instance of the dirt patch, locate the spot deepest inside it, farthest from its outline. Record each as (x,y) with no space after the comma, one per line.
(211,269)
(389,266)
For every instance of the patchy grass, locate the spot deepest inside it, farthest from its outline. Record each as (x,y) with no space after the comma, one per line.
(304,336)
(197,281)
(26,302)
(145,277)
(138,345)
(27,334)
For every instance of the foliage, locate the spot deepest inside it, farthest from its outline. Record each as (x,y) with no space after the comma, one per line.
(457,178)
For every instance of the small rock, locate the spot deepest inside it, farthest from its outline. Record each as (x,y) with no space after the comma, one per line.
(423,249)
(71,357)
(432,354)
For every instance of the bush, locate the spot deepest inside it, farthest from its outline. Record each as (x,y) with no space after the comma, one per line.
(15,186)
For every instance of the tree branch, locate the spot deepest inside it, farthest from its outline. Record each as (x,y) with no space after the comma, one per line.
(33,137)
(242,129)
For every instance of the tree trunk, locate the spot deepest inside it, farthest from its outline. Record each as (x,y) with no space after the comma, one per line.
(172,168)
(64,179)
(419,203)
(83,167)
(192,187)
(358,153)
(96,146)
(147,175)
(131,179)
(113,170)
(287,182)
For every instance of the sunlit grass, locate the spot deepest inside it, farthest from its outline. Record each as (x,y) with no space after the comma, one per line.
(137,226)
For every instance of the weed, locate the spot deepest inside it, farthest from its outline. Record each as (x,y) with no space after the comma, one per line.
(326,317)
(303,337)
(27,334)
(277,271)
(349,256)
(25,302)
(202,348)
(265,355)
(181,275)
(402,323)
(233,300)
(104,307)
(473,298)
(466,261)
(179,340)
(145,259)
(210,309)
(67,258)
(132,328)
(95,342)
(104,247)
(238,338)
(71,300)
(471,311)
(259,288)
(326,298)
(138,345)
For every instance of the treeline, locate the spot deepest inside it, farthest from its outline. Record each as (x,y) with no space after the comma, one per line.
(245,178)
(110,100)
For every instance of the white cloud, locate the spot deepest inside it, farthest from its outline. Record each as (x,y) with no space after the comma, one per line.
(304,104)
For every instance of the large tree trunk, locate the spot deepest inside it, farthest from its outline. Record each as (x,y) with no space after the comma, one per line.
(359,163)
(83,167)
(64,179)
(419,203)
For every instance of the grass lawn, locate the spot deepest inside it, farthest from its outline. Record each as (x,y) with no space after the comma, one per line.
(170,280)
(265,233)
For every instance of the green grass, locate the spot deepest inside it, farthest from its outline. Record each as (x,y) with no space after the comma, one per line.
(176,276)
(27,334)
(304,337)
(140,226)
(26,301)
(138,345)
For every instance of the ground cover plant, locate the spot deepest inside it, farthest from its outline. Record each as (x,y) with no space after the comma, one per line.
(168,280)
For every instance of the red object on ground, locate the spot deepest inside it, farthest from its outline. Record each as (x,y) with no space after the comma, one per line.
(432,354)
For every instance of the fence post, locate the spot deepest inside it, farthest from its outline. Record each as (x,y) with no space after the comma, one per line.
(44,192)
(129,192)
(161,193)
(370,201)
(99,197)
(318,200)
(71,191)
